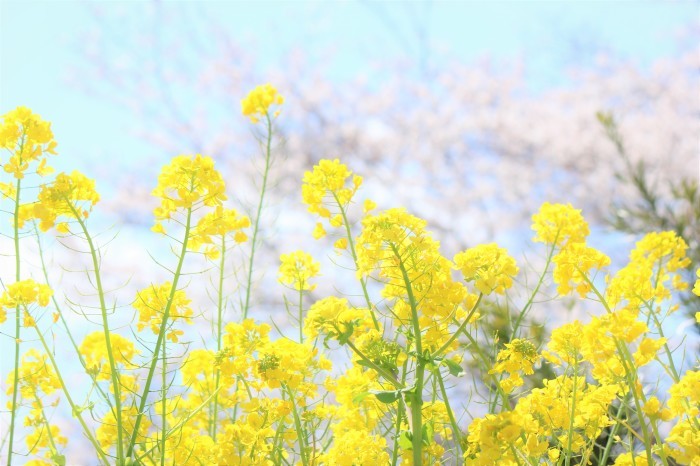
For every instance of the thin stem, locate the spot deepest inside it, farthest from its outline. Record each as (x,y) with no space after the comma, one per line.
(219,333)
(18,326)
(161,337)
(417,398)
(453,422)
(351,243)
(105,325)
(256,227)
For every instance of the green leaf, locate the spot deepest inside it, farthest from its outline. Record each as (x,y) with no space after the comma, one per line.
(360,397)
(454,368)
(386,396)
(406,440)
(58,459)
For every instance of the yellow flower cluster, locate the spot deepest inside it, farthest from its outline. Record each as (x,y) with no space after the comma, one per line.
(257,103)
(564,227)
(559,224)
(325,186)
(296,269)
(186,183)
(684,402)
(333,317)
(22,294)
(70,196)
(567,414)
(518,356)
(215,225)
(407,258)
(654,262)
(28,138)
(488,266)
(94,351)
(37,380)
(152,302)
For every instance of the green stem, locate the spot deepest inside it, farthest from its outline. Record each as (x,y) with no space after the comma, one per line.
(105,325)
(299,428)
(453,422)
(161,337)
(460,328)
(256,227)
(301,313)
(163,390)
(219,333)
(417,398)
(18,326)
(530,301)
(351,243)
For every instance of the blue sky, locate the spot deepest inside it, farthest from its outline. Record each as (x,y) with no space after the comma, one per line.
(37,45)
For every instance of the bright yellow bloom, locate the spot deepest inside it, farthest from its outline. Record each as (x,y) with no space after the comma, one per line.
(94,351)
(685,395)
(296,269)
(356,448)
(572,266)
(654,262)
(333,317)
(39,439)
(37,377)
(70,196)
(326,184)
(319,232)
(488,266)
(187,182)
(559,224)
(685,435)
(628,459)
(696,288)
(28,138)
(518,356)
(22,294)
(257,103)
(212,226)
(151,302)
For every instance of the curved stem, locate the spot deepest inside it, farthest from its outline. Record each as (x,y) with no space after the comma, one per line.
(351,243)
(161,337)
(105,326)
(256,227)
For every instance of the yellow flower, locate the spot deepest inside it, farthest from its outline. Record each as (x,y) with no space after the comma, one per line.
(518,356)
(70,196)
(258,102)
(216,224)
(94,350)
(559,224)
(37,377)
(187,182)
(488,266)
(572,265)
(696,288)
(22,294)
(685,395)
(296,269)
(327,183)
(28,138)
(319,232)
(334,317)
(151,303)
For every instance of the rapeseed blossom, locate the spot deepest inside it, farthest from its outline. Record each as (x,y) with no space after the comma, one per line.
(186,183)
(152,302)
(296,269)
(488,266)
(257,103)
(70,196)
(29,139)
(559,224)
